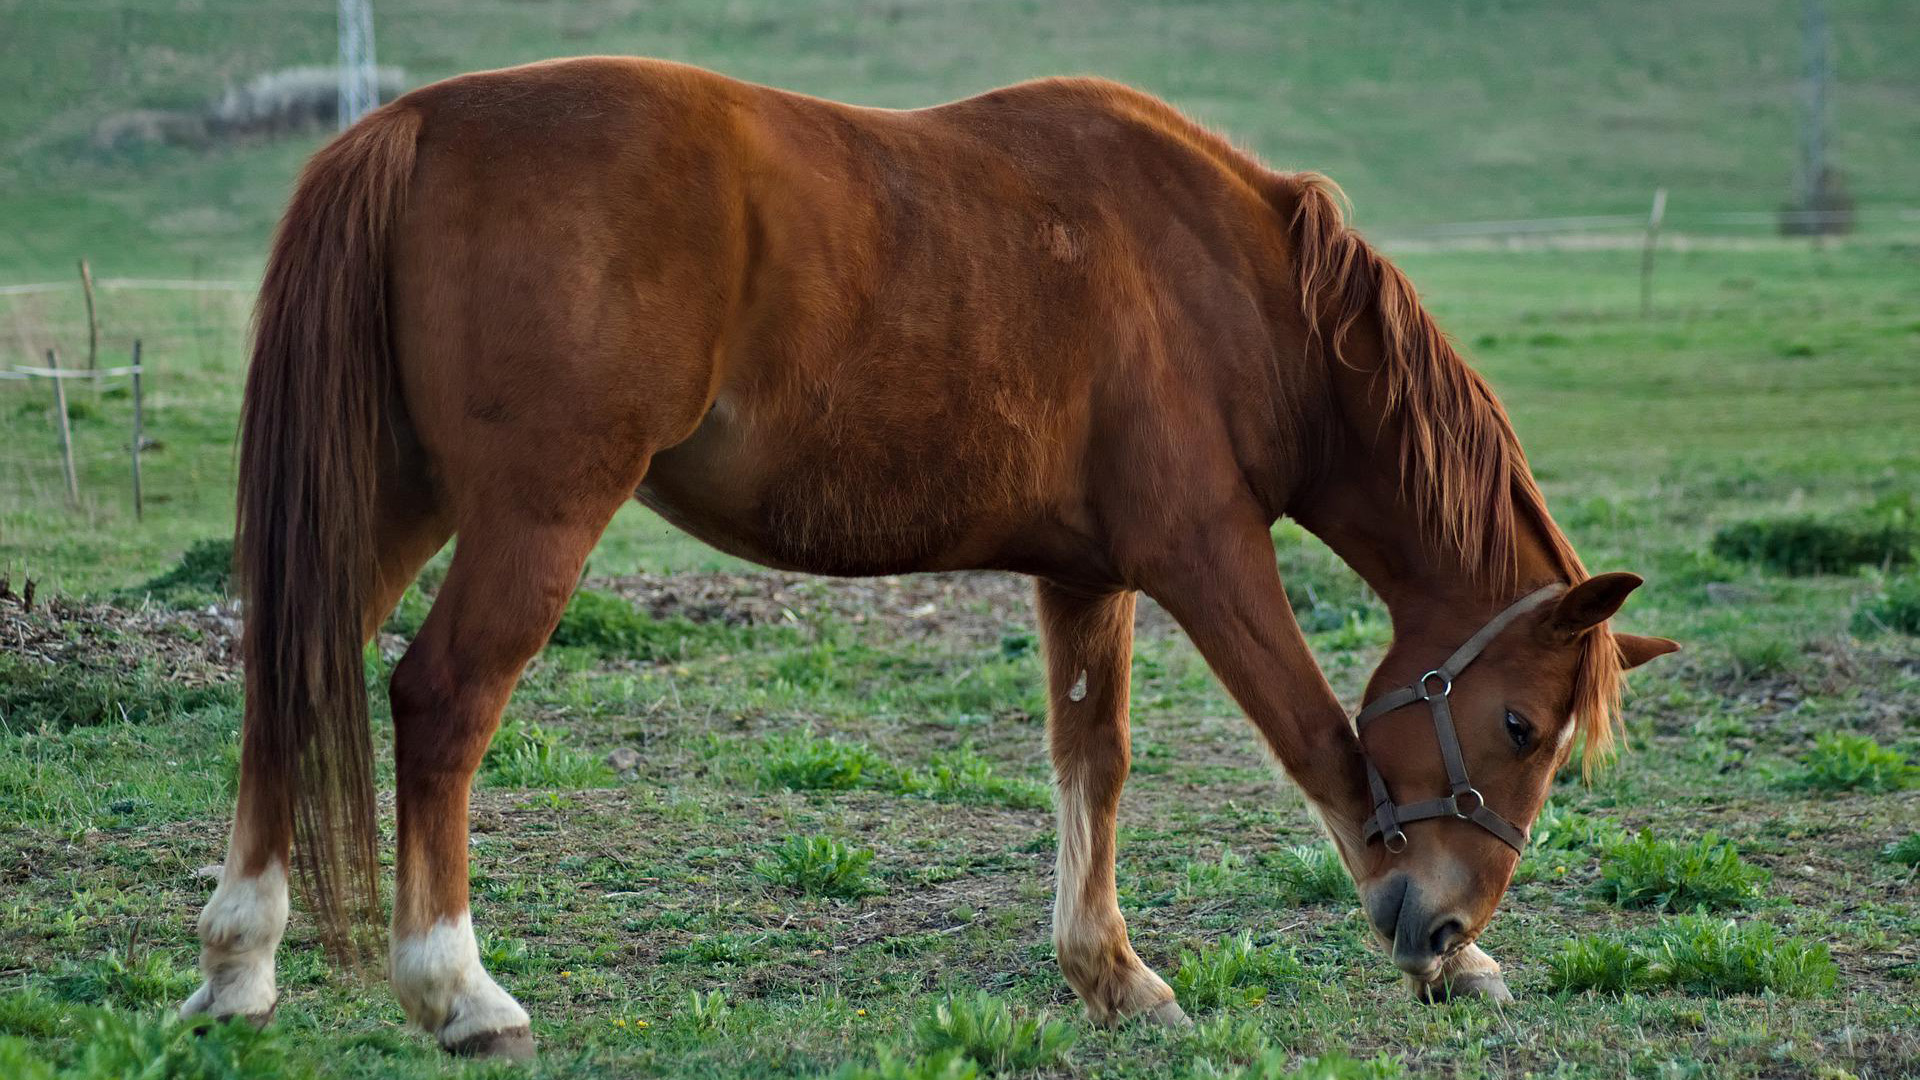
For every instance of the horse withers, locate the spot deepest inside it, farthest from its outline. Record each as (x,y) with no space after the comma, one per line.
(1057,329)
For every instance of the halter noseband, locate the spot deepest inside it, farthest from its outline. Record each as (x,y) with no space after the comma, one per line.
(1465,801)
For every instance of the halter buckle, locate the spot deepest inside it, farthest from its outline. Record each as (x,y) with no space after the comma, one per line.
(1466,814)
(1446,685)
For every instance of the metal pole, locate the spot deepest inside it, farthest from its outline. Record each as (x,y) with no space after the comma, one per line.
(139,507)
(1817,51)
(359,84)
(66,430)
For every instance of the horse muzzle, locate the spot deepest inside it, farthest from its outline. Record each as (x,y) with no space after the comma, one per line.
(1420,936)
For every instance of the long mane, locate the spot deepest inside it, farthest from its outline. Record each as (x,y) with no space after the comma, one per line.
(1460,462)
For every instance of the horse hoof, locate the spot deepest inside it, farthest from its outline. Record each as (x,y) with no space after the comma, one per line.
(1167,1014)
(1485,987)
(512,1044)
(200,1013)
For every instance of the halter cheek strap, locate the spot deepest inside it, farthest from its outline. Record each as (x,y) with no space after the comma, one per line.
(1435,687)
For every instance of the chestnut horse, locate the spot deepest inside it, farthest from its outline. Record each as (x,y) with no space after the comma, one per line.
(1057,329)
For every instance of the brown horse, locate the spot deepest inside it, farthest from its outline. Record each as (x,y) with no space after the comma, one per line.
(1056,329)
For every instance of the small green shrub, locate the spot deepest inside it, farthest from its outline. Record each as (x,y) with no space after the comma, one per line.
(987,1031)
(1697,954)
(963,776)
(1233,971)
(59,697)
(1758,654)
(1884,534)
(204,575)
(1644,871)
(708,1011)
(113,979)
(1844,762)
(1896,607)
(944,1065)
(1312,874)
(524,755)
(122,1046)
(1719,956)
(1599,963)
(803,761)
(1906,852)
(612,627)
(1203,878)
(819,865)
(1561,829)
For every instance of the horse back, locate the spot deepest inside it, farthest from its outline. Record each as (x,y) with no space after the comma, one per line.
(850,340)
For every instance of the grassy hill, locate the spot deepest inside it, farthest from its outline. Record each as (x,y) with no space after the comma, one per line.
(1432,111)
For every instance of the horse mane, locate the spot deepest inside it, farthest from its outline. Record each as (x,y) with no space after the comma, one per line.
(1461,464)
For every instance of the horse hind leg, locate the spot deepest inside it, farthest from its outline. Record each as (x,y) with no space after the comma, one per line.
(514,567)
(241,926)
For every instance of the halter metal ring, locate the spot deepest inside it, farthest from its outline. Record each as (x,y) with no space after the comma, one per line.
(1446,686)
(1466,814)
(1395,841)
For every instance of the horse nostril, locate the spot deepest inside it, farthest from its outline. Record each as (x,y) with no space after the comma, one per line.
(1446,935)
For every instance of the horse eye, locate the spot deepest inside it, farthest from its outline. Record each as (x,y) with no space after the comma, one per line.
(1519,731)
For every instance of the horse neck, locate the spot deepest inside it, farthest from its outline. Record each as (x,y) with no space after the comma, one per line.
(1432,588)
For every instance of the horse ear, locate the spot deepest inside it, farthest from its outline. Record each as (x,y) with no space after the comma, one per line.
(1636,650)
(1592,602)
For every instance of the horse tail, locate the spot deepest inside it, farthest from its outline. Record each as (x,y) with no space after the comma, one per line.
(319,385)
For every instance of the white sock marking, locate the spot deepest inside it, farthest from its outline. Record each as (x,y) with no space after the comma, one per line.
(438,978)
(240,930)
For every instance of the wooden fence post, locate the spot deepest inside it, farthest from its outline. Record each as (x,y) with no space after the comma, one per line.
(66,430)
(1646,253)
(139,509)
(93,322)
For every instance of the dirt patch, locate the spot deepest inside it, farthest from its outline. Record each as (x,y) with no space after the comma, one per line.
(970,609)
(192,647)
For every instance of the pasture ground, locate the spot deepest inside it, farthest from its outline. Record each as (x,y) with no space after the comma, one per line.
(1772,379)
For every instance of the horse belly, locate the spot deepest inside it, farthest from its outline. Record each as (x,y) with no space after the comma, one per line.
(823,494)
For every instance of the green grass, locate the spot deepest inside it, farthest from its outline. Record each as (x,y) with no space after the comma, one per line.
(1234,971)
(202,576)
(1843,762)
(612,627)
(120,1046)
(819,866)
(1645,871)
(1895,607)
(802,761)
(1334,1065)
(964,775)
(992,1033)
(524,755)
(1697,955)
(1883,535)
(1311,874)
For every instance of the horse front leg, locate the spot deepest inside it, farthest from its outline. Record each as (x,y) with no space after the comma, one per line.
(1089,650)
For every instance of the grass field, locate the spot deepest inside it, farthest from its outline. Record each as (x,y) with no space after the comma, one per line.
(834,832)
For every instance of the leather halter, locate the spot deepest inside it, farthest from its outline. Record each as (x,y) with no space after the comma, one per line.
(1465,801)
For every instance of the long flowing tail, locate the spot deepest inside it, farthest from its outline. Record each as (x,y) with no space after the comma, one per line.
(318,388)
